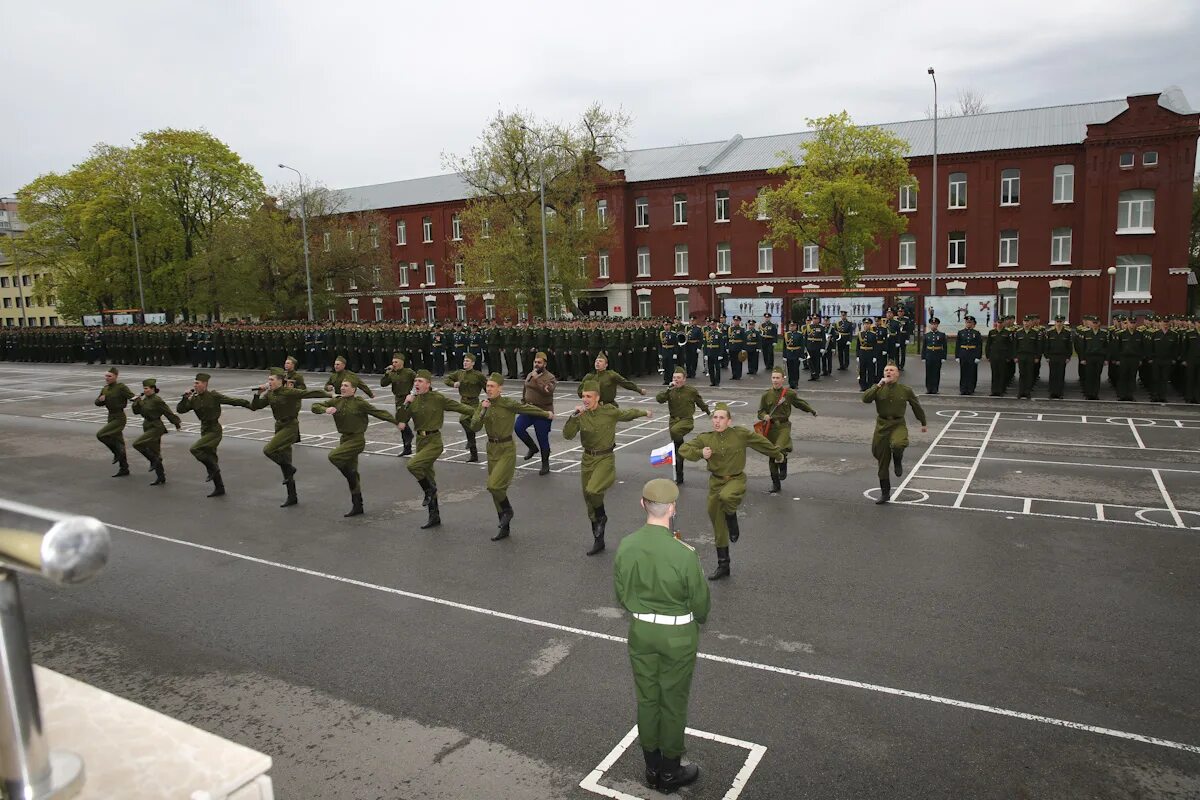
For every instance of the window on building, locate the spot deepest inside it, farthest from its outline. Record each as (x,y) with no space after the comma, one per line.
(327,241)
(426,229)
(332,315)
(401,232)
(681,306)
(681,259)
(1008,248)
(487,273)
(329,284)
(350,239)
(405,314)
(1127,160)
(766,257)
(1064,183)
(8,302)
(379,312)
(456,227)
(1135,211)
(1008,302)
(458,273)
(641,213)
(1060,303)
(4,282)
(485,228)
(583,271)
(643,306)
(430,273)
(679,204)
(376,276)
(431,311)
(908,198)
(761,203)
(722,205)
(602,212)
(353,282)
(812,257)
(460,310)
(602,264)
(53,321)
(354,313)
(908,251)
(1010,187)
(489,308)
(1150,158)
(724,258)
(643,262)
(1133,277)
(26,280)
(956,254)
(1060,246)
(579,212)
(402,274)
(373,233)
(958,190)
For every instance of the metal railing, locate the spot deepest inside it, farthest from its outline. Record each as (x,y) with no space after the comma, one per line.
(63,549)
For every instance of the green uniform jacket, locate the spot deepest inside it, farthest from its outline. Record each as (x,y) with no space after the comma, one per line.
(890,401)
(681,400)
(114,398)
(352,413)
(655,573)
(284,403)
(207,406)
(781,413)
(729,449)
(501,417)
(152,409)
(599,426)
(471,383)
(427,411)
(296,378)
(609,381)
(336,379)
(401,381)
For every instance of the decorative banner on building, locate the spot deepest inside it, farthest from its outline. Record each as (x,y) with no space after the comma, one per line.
(122,319)
(155,319)
(753,308)
(953,310)
(92,320)
(855,307)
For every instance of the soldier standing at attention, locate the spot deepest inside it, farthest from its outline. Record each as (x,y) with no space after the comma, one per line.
(693,341)
(1027,346)
(538,391)
(658,580)
(1092,345)
(425,411)
(714,350)
(114,396)
(753,341)
(768,332)
(292,378)
(775,407)
(1189,355)
(815,342)
(608,381)
(595,422)
(724,448)
(999,355)
(153,408)
(866,349)
(285,407)
(341,375)
(681,400)
(1162,348)
(793,349)
(845,333)
(350,417)
(736,346)
(496,414)
(400,378)
(207,405)
(1057,347)
(667,345)
(968,347)
(891,433)
(933,352)
(469,382)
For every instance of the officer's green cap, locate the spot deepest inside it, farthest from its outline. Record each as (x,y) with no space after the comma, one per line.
(113,370)
(496,378)
(426,374)
(776,370)
(1091,318)
(680,371)
(341,359)
(540,355)
(1030,317)
(278,372)
(589,386)
(398,355)
(1060,318)
(149,382)
(292,359)
(660,490)
(203,377)
(723,407)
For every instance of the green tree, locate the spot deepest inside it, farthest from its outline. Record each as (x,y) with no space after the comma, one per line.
(840,195)
(501,244)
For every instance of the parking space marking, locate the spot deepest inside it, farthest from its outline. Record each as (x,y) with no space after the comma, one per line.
(1166,496)
(1137,436)
(735,662)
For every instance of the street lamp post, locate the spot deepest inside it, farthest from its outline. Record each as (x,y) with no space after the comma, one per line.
(712,295)
(12,237)
(1112,277)
(304,233)
(933,211)
(137,259)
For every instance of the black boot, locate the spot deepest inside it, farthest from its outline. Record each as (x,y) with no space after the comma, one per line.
(722,570)
(506,515)
(218,484)
(291,495)
(435,517)
(533,450)
(209,469)
(356,506)
(407,437)
(885,491)
(598,532)
(653,760)
(775,487)
(897,455)
(160,474)
(545,470)
(672,775)
(783,469)
(678,463)
(123,463)
(471,446)
(731,521)
(289,473)
(427,488)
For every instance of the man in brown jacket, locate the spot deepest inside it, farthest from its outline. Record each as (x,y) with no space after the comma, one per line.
(538,391)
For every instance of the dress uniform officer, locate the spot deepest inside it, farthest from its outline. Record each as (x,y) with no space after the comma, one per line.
(1057,347)
(595,422)
(113,397)
(350,417)
(768,332)
(933,353)
(496,414)
(793,349)
(753,343)
(724,448)
(845,334)
(658,580)
(207,405)
(284,402)
(736,347)
(153,408)
(693,341)
(867,349)
(891,433)
(400,378)
(681,399)
(904,331)
(608,381)
(668,343)
(341,375)
(1027,346)
(999,355)
(1128,349)
(425,411)
(538,391)
(815,343)
(830,346)
(714,352)
(1162,348)
(1091,343)
(775,407)
(968,347)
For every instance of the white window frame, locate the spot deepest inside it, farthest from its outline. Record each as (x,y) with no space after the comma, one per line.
(378,312)
(1139,265)
(579,214)
(455,227)
(1064,183)
(1010,244)
(956,241)
(1135,206)
(908,251)
(681,259)
(643,262)
(489,308)
(956,197)
(1126,160)
(353,283)
(332,315)
(679,209)
(460,310)
(811,255)
(327,239)
(1010,187)
(485,228)
(681,306)
(722,205)
(458,274)
(602,213)
(373,232)
(405,314)
(430,273)
(644,306)
(1060,303)
(724,258)
(766,257)
(1008,302)
(376,276)
(760,201)
(431,311)
(401,232)
(426,230)
(350,239)
(908,198)
(602,264)
(641,212)
(1150,158)
(583,271)
(1060,246)
(487,274)
(354,313)
(402,274)
(329,284)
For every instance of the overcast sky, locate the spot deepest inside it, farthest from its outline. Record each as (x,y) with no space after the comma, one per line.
(366,92)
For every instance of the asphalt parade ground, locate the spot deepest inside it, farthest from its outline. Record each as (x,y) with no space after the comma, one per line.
(1019,623)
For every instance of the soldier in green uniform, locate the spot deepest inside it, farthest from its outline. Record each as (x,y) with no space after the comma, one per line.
(681,399)
(285,407)
(292,378)
(595,422)
(207,405)
(1057,347)
(891,434)
(1128,349)
(470,383)
(1162,348)
(342,375)
(668,344)
(425,411)
(350,417)
(608,381)
(775,407)
(400,378)
(724,448)
(1189,354)
(497,415)
(658,580)
(153,408)
(999,356)
(113,397)
(1092,345)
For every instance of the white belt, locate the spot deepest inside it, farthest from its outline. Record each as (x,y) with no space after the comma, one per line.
(664,619)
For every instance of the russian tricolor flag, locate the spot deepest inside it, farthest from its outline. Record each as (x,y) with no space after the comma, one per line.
(662,456)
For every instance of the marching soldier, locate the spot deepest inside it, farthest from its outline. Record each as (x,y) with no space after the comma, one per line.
(538,391)
(291,376)
(425,411)
(350,417)
(608,381)
(114,396)
(933,353)
(595,422)
(497,414)
(867,349)
(775,409)
(341,375)
(284,402)
(968,347)
(659,581)
(1057,346)
(891,433)
(724,448)
(767,333)
(207,405)
(153,408)
(681,399)
(400,378)
(470,383)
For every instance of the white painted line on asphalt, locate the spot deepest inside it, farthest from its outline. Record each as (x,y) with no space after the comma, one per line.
(936,440)
(1072,464)
(1143,448)
(975,466)
(737,662)
(1166,496)
(1137,436)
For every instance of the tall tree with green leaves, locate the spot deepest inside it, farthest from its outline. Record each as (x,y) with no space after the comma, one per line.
(840,194)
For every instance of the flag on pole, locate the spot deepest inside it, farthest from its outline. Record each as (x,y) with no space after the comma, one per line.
(662,456)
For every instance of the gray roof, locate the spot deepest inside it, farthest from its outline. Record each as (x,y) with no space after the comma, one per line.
(998,130)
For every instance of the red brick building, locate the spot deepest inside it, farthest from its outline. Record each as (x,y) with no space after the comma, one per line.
(1034,206)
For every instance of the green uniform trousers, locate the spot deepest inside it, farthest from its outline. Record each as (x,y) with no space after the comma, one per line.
(279,449)
(204,449)
(596,476)
(345,456)
(149,444)
(425,455)
(112,434)
(780,435)
(680,427)
(724,497)
(890,435)
(501,466)
(663,659)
